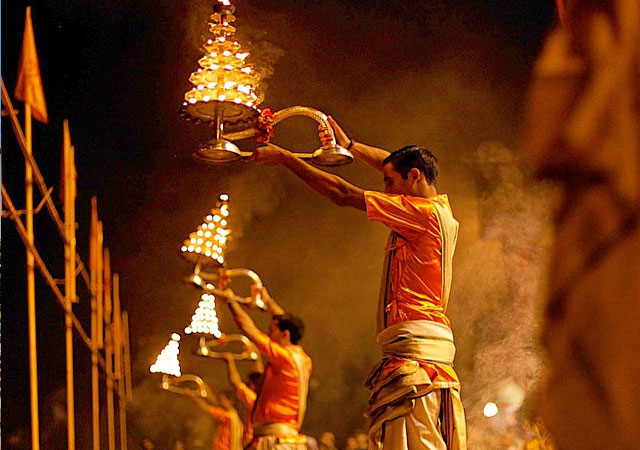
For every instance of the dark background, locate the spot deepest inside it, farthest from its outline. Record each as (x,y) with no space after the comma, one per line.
(449,75)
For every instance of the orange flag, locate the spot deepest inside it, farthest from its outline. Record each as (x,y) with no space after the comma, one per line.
(68,160)
(29,86)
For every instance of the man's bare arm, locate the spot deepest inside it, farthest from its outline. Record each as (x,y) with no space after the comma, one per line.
(273,307)
(326,184)
(232,371)
(366,153)
(241,318)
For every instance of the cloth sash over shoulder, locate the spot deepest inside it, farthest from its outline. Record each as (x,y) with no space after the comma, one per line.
(409,347)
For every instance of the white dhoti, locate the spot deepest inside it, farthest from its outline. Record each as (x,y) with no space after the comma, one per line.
(420,428)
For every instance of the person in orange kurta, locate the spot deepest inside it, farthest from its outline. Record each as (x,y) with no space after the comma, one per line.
(281,403)
(246,391)
(229,433)
(415,401)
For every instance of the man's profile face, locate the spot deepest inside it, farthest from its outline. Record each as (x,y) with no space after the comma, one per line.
(393,181)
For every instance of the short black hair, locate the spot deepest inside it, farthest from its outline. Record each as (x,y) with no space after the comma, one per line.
(293,324)
(406,158)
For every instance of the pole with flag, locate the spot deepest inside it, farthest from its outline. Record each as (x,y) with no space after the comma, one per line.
(108,350)
(68,193)
(117,350)
(29,90)
(93,266)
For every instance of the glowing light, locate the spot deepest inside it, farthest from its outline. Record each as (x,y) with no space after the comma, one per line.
(204,319)
(207,243)
(224,62)
(490,410)
(167,361)
(197,279)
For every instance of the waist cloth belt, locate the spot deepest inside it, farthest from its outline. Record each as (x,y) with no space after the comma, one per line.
(274,429)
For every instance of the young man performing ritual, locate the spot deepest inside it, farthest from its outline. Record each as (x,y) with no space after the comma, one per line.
(229,433)
(245,390)
(415,400)
(281,403)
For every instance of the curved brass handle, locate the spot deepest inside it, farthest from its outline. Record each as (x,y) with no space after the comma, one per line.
(207,280)
(191,385)
(209,348)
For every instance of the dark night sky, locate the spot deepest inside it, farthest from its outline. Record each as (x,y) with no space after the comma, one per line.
(450,75)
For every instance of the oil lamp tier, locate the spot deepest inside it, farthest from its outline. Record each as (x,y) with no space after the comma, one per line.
(206,245)
(224,87)
(167,361)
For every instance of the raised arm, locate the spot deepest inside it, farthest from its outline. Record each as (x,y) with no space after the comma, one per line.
(366,153)
(241,318)
(326,184)
(274,308)
(232,371)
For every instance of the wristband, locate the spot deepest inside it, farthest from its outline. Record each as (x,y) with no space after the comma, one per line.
(351,142)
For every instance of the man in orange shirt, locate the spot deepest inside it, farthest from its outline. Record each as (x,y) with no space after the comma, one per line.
(246,391)
(281,403)
(415,400)
(229,433)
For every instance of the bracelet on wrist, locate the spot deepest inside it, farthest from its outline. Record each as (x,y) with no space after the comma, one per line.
(351,142)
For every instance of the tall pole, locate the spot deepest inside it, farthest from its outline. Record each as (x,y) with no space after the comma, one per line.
(108,345)
(117,339)
(70,279)
(31,287)
(95,385)
(126,354)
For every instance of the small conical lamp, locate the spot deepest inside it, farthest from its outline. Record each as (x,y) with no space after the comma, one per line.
(206,245)
(204,321)
(167,361)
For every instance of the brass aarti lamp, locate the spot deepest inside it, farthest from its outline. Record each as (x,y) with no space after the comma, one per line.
(224,96)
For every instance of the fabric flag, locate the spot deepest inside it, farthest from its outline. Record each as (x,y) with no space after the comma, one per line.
(68,160)
(29,86)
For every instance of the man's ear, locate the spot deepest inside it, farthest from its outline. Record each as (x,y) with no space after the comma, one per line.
(415,174)
(287,334)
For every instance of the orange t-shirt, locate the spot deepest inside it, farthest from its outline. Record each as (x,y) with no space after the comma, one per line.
(222,440)
(415,291)
(278,399)
(248,397)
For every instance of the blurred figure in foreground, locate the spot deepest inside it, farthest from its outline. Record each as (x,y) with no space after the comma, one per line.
(583,132)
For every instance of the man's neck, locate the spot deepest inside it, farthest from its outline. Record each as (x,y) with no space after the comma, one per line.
(426,190)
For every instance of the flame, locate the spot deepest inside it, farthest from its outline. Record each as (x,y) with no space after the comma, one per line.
(205,318)
(223,66)
(167,361)
(211,237)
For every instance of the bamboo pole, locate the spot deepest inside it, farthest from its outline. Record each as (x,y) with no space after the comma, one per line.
(100,271)
(31,286)
(126,355)
(95,383)
(70,280)
(39,179)
(108,344)
(117,339)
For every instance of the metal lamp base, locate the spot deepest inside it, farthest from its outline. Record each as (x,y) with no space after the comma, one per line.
(218,151)
(332,155)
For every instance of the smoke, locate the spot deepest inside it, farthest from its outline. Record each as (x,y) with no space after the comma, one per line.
(388,83)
